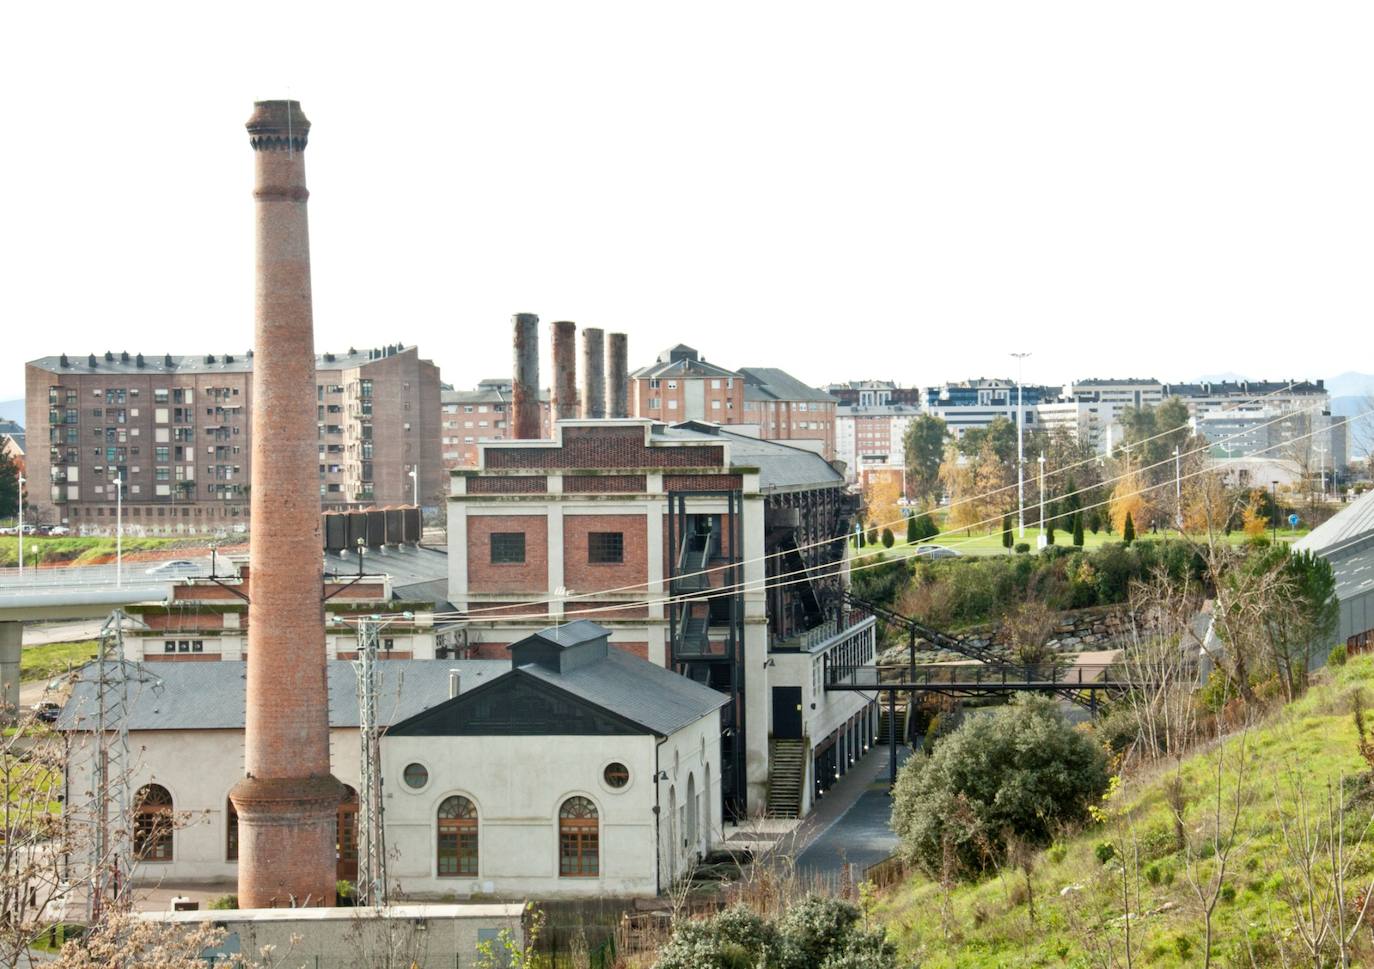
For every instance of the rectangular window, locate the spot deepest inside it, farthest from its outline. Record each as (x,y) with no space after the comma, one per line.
(606,548)
(507,548)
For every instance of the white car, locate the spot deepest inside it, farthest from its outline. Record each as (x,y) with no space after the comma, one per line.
(59,530)
(175,567)
(936,552)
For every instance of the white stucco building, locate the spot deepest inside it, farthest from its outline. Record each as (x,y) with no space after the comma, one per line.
(572,769)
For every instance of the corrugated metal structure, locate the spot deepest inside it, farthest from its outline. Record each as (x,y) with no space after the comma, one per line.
(1347,542)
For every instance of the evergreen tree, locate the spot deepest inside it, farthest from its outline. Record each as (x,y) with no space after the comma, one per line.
(913,530)
(888,538)
(872,533)
(9,485)
(1007,540)
(1094,521)
(1128,530)
(1078,528)
(1049,532)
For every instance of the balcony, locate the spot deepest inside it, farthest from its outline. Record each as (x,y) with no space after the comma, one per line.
(823,635)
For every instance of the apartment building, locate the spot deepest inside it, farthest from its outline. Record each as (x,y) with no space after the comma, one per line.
(968,404)
(470,417)
(709,552)
(176,432)
(872,436)
(873,393)
(681,385)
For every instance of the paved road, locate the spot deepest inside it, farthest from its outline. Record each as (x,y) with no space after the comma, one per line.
(854,831)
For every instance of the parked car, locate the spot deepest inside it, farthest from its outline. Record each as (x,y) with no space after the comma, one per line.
(59,530)
(47,711)
(175,567)
(936,552)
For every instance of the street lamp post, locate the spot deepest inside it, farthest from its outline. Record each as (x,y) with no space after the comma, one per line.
(119,530)
(21,526)
(1044,539)
(1020,451)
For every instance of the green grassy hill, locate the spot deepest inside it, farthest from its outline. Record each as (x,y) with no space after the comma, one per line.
(1078,887)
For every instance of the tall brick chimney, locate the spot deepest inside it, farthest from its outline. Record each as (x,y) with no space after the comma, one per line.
(287,801)
(593,372)
(617,375)
(525,420)
(564,370)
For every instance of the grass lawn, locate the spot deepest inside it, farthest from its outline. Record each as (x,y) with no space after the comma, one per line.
(1309,746)
(45,662)
(75,548)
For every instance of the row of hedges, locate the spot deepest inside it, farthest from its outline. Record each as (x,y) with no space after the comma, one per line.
(968,591)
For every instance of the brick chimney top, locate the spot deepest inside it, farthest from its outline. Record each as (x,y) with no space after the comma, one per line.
(278,126)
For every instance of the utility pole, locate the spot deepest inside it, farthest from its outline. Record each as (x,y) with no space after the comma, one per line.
(1178,488)
(1020,448)
(371,831)
(21,526)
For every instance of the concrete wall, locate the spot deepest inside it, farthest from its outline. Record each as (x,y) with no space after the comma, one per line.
(434,936)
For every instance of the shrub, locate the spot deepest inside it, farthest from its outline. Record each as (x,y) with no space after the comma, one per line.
(1022,548)
(1337,656)
(888,538)
(912,531)
(872,533)
(1104,851)
(224,902)
(1022,770)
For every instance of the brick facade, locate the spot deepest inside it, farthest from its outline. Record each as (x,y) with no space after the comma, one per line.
(579,574)
(528,576)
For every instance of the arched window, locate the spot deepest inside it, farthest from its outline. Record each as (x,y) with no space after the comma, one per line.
(153,823)
(231,833)
(578,839)
(457,837)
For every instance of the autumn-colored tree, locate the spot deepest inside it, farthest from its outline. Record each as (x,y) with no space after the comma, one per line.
(882,490)
(1254,518)
(1127,500)
(978,487)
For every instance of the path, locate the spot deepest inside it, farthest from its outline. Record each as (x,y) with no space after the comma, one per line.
(849,825)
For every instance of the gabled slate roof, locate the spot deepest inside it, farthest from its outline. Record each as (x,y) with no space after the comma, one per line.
(640,691)
(778,384)
(211,695)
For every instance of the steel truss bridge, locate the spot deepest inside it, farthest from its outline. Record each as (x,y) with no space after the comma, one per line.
(983,674)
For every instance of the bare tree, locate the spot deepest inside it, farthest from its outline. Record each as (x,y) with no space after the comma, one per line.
(1161,659)
(1317,860)
(1207,855)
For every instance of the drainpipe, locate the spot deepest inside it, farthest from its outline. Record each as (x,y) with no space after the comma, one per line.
(658,835)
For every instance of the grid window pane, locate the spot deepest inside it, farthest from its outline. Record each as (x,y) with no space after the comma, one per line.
(606,547)
(507,548)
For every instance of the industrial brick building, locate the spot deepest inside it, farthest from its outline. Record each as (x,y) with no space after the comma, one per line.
(713,553)
(177,432)
(771,404)
(563,769)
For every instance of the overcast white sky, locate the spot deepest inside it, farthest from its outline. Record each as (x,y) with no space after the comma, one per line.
(906,191)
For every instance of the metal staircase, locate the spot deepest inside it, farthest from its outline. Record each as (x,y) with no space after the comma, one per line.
(786,773)
(886,723)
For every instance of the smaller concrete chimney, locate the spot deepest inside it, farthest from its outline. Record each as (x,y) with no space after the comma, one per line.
(455,682)
(617,376)
(593,372)
(564,340)
(525,422)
